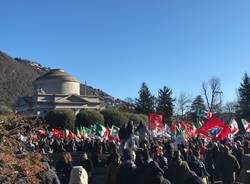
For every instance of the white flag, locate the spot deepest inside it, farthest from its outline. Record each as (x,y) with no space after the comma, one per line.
(246,125)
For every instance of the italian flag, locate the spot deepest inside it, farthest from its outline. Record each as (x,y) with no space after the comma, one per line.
(99,129)
(85,131)
(66,132)
(78,133)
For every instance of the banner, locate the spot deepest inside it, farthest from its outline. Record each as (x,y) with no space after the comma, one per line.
(215,129)
(155,121)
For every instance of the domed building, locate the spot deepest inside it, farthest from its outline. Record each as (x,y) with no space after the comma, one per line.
(57,82)
(57,90)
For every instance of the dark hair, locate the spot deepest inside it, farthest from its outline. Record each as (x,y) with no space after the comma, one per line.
(127,154)
(177,155)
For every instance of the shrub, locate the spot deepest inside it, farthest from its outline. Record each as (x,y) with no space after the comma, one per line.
(4,110)
(61,118)
(137,118)
(114,117)
(88,117)
(144,118)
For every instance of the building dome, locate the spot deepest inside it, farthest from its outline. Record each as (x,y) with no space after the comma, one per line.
(56,81)
(57,74)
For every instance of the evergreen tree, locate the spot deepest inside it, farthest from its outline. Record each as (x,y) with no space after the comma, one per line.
(145,103)
(198,105)
(165,104)
(244,100)
(197,108)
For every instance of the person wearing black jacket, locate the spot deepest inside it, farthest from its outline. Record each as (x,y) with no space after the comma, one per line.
(87,164)
(126,173)
(196,165)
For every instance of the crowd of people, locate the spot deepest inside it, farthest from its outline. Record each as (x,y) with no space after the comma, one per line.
(151,161)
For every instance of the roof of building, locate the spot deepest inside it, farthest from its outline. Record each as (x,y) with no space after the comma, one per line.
(57,74)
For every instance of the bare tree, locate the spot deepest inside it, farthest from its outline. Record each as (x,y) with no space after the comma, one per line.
(212,93)
(183,103)
(230,107)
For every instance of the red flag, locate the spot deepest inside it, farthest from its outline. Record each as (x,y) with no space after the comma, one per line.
(209,114)
(186,125)
(55,133)
(190,131)
(106,135)
(61,133)
(155,121)
(172,128)
(215,129)
(71,135)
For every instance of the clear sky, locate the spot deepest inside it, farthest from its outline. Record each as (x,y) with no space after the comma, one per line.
(115,45)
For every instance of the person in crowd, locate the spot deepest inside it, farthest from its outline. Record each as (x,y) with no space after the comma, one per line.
(178,169)
(64,166)
(183,151)
(143,132)
(194,180)
(112,170)
(58,147)
(196,165)
(87,164)
(97,155)
(127,170)
(245,172)
(237,151)
(154,174)
(209,162)
(228,165)
(169,151)
(78,175)
(160,159)
(129,129)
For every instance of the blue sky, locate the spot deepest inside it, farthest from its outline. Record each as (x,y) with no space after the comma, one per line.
(115,45)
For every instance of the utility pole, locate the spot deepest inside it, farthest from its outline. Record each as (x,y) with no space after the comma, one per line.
(219,92)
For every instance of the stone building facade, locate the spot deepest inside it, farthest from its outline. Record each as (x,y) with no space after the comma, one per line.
(57,90)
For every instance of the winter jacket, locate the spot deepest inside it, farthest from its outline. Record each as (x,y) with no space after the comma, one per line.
(178,171)
(198,167)
(228,165)
(111,175)
(127,173)
(245,175)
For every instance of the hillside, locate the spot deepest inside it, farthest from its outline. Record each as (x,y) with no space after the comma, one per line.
(17,75)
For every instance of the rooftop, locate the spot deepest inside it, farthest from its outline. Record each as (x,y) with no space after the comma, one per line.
(57,74)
